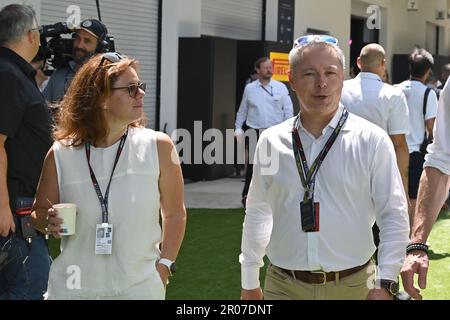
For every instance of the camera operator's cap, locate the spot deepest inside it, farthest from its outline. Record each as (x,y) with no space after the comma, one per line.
(94,27)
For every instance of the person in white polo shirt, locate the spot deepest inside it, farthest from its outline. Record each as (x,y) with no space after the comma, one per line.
(380,103)
(320,181)
(433,190)
(420,122)
(265,103)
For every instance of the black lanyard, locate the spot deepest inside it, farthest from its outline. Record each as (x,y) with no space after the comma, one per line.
(268,92)
(104,201)
(308,175)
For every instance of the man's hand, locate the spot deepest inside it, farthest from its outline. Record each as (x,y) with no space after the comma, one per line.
(255,294)
(379,294)
(415,262)
(6,221)
(239,135)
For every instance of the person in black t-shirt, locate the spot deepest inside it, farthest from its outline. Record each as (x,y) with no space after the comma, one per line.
(24,141)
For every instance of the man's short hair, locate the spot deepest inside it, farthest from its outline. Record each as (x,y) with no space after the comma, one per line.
(297,53)
(260,61)
(420,61)
(372,55)
(446,68)
(15,21)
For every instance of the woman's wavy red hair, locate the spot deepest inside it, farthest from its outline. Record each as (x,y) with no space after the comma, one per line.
(81,117)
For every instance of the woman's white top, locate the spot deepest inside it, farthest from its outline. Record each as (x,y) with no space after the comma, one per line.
(133,205)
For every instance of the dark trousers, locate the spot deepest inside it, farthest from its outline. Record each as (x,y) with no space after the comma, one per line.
(249,171)
(25,269)
(25,276)
(416,161)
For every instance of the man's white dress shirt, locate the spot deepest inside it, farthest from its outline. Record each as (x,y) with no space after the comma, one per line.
(415,93)
(264,106)
(439,152)
(358,183)
(380,103)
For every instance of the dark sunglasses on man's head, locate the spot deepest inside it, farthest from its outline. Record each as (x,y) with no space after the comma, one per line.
(304,40)
(133,89)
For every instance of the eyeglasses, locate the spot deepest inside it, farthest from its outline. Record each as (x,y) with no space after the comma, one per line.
(315,37)
(36,29)
(133,89)
(113,57)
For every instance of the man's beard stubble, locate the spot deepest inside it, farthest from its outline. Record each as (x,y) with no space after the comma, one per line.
(267,76)
(81,59)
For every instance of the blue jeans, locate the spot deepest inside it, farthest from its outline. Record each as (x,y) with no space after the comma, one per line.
(25,275)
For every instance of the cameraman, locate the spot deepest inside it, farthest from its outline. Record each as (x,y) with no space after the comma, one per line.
(88,40)
(24,142)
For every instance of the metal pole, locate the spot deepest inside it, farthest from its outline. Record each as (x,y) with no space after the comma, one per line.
(98,10)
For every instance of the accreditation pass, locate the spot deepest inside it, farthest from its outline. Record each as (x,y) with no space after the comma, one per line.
(103,238)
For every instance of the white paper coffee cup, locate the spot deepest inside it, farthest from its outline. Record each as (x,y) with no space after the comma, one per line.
(67,212)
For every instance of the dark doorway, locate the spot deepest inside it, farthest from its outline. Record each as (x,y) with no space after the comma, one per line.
(360,35)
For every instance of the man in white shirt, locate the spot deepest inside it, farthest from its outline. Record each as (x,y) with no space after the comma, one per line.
(315,226)
(415,90)
(380,103)
(265,103)
(433,190)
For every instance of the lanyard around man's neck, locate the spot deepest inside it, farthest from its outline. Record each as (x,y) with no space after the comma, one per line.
(268,92)
(308,175)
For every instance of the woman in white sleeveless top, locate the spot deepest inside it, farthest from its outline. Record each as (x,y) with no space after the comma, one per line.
(101,141)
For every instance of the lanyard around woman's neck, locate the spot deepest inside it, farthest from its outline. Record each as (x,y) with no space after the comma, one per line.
(104,200)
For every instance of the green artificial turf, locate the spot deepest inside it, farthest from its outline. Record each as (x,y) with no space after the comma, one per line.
(208,263)
(438,280)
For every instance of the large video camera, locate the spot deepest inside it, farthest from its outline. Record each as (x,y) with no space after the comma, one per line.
(57,50)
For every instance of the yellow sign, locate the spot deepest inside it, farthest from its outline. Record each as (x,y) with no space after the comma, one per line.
(280,66)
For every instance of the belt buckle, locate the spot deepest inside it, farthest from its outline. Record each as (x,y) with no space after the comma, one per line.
(324,274)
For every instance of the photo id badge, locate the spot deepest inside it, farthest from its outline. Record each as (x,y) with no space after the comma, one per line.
(309,213)
(103,238)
